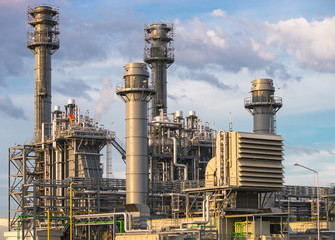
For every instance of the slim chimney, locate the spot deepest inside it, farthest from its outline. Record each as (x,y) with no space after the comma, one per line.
(263,106)
(42,41)
(136,93)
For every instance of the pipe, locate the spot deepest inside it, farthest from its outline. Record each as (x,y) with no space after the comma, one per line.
(163,169)
(56,165)
(205,214)
(48,211)
(127,220)
(218,157)
(175,158)
(71,184)
(43,137)
(165,123)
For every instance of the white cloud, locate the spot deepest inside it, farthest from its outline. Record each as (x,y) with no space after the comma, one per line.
(320,160)
(106,99)
(12,3)
(219,13)
(217,40)
(262,51)
(199,43)
(311,43)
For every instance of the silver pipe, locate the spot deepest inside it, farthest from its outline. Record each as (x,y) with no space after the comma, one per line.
(175,158)
(205,214)
(43,134)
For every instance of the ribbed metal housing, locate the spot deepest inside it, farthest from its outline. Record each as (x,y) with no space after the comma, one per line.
(159,54)
(42,41)
(263,106)
(256,161)
(135,92)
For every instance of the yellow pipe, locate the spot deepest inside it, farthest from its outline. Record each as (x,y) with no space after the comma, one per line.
(71,184)
(48,224)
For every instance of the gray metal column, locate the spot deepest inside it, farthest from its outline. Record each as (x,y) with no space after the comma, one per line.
(135,92)
(42,41)
(159,54)
(263,106)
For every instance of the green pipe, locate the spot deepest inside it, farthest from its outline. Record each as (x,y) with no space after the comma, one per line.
(94,222)
(25,216)
(40,216)
(212,226)
(121,226)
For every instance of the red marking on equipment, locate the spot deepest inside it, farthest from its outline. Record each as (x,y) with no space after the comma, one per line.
(71,116)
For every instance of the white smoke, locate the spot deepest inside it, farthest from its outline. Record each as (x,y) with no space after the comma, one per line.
(106,98)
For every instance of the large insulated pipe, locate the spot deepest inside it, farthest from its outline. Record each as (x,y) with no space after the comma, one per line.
(159,55)
(263,106)
(175,159)
(135,92)
(42,41)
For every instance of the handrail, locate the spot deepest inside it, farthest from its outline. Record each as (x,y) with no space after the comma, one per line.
(263,99)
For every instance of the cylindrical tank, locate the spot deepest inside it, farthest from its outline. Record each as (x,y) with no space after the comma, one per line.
(136,95)
(71,101)
(179,114)
(263,105)
(191,113)
(69,108)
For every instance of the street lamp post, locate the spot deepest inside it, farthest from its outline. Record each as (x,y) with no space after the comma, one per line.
(317,193)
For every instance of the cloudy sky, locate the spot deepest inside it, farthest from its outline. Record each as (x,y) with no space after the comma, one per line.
(220,47)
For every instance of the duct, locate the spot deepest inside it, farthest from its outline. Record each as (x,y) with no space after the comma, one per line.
(175,158)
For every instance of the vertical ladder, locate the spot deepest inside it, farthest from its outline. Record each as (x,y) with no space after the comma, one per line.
(175,202)
(109,170)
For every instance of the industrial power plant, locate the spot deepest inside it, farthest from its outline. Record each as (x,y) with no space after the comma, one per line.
(184,179)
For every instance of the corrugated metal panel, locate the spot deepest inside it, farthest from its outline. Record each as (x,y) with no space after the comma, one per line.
(259,159)
(266,170)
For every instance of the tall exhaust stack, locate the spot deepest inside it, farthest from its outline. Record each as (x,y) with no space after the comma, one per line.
(263,106)
(42,41)
(135,92)
(159,54)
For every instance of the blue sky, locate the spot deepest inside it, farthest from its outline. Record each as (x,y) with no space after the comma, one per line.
(220,47)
